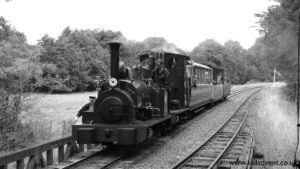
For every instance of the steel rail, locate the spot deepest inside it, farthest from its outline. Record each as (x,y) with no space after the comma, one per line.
(108,164)
(185,160)
(216,161)
(112,162)
(241,92)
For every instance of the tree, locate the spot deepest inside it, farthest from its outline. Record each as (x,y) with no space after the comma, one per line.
(79,56)
(129,51)
(209,52)
(234,61)
(19,69)
(278,26)
(154,42)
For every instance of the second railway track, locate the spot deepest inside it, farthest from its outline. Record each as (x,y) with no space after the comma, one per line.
(212,152)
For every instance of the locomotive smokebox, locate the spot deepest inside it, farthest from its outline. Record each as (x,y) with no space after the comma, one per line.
(114,59)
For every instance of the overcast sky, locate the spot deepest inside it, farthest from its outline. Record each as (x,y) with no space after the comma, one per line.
(185,23)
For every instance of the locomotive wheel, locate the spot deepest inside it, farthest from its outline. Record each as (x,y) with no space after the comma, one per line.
(163,129)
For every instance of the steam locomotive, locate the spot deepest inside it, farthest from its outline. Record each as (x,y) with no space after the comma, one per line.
(132,112)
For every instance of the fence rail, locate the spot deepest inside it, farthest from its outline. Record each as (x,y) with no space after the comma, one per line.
(66,147)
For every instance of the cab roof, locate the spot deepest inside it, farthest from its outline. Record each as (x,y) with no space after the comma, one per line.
(164,51)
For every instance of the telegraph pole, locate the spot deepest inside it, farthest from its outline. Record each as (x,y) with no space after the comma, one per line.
(297,164)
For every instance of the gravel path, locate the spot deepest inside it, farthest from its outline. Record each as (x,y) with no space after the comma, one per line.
(168,150)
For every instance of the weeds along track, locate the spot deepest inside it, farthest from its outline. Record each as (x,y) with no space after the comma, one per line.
(223,146)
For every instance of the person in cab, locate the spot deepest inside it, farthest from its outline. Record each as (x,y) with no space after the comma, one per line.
(160,75)
(124,72)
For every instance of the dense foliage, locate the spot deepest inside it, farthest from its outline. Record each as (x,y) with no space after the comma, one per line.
(76,58)
(17,71)
(241,65)
(278,27)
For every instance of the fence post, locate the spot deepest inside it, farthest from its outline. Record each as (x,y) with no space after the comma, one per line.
(40,161)
(31,162)
(50,157)
(20,164)
(68,152)
(61,153)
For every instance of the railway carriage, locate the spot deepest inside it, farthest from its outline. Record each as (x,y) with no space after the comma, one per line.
(131,112)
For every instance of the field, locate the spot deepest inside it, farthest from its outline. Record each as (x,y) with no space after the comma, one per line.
(52,115)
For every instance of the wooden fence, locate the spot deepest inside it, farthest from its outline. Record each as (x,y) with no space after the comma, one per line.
(66,147)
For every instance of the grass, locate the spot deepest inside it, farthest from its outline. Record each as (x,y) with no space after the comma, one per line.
(275,136)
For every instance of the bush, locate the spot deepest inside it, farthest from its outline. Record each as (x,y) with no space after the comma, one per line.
(50,84)
(20,138)
(13,134)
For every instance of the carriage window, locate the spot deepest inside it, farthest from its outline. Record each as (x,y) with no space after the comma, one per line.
(202,75)
(218,76)
(208,77)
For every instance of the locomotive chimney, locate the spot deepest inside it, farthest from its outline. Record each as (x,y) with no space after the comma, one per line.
(114,59)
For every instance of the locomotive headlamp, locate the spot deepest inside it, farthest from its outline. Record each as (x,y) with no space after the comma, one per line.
(113,82)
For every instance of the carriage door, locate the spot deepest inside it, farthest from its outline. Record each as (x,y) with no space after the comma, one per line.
(217,84)
(188,84)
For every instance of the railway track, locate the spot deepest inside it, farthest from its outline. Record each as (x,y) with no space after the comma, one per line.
(212,152)
(240,92)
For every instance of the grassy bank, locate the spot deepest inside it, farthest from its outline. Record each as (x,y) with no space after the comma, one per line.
(275,136)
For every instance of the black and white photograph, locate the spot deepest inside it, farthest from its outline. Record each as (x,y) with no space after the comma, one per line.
(149,84)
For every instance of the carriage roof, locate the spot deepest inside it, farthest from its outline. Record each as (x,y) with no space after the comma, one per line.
(200,65)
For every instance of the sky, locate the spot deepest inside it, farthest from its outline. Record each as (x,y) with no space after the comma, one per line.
(186,23)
